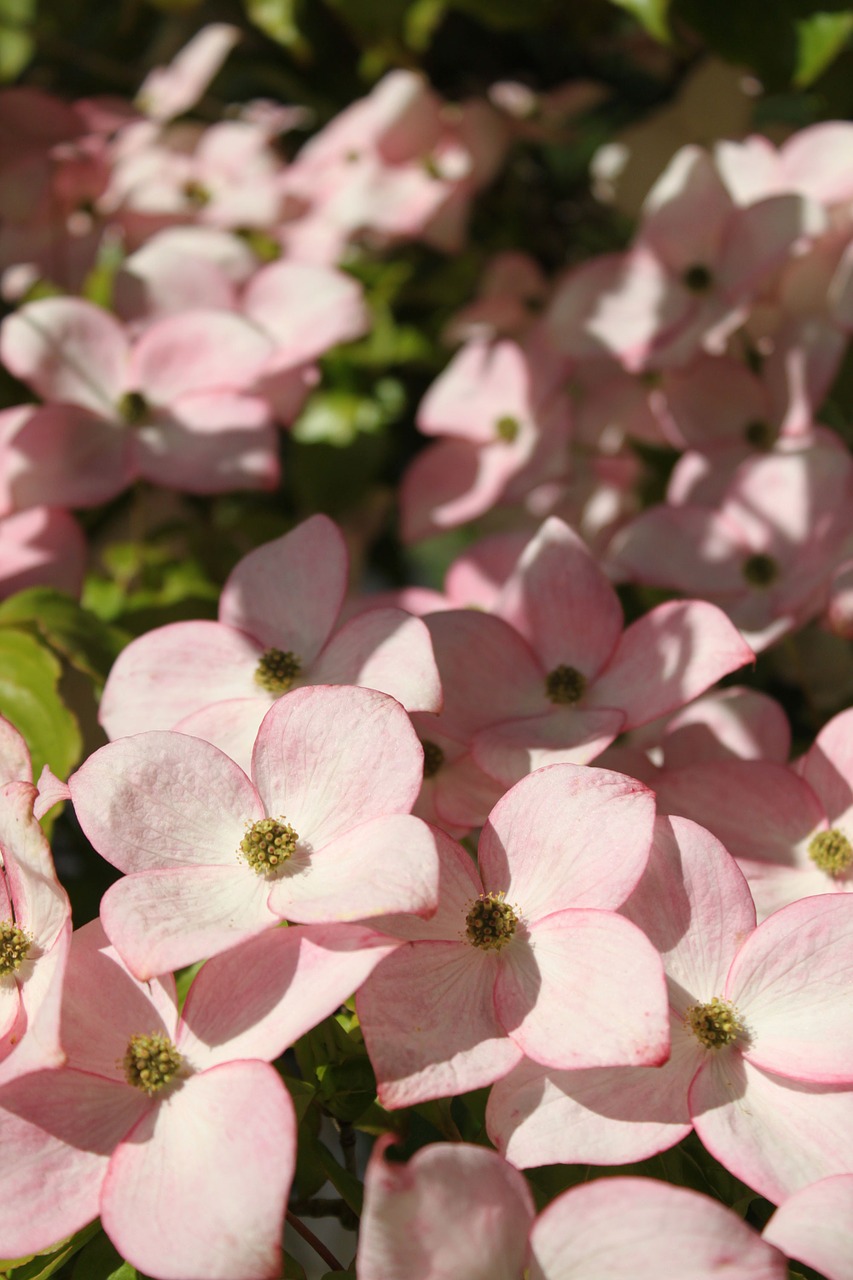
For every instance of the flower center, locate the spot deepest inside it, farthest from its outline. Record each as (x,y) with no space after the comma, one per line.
(277,670)
(759,434)
(433,758)
(14,945)
(714,1024)
(267,844)
(697,279)
(831,851)
(507,428)
(150,1062)
(565,685)
(490,922)
(760,570)
(133,408)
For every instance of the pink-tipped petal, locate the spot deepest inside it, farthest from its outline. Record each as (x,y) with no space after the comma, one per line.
(793,980)
(568,836)
(429,1023)
(288,593)
(198,1189)
(387,650)
(561,602)
(383,865)
(667,658)
(163,800)
(256,1001)
(173,671)
(619,1228)
(604,1115)
(67,350)
(815,1226)
(329,757)
(584,989)
(63,1127)
(776,1135)
(453,1210)
(163,920)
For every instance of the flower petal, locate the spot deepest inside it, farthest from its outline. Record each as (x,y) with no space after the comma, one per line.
(199,1187)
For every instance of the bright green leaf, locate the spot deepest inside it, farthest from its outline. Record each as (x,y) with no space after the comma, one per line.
(16,50)
(820,39)
(84,640)
(278,19)
(651,14)
(29,697)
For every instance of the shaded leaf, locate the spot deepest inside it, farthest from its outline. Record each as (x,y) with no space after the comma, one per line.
(29,697)
(348,1188)
(79,636)
(100,1260)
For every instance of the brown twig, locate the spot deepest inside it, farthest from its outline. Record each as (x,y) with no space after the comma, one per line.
(316,1244)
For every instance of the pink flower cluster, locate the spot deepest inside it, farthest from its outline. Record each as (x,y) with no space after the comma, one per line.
(532,848)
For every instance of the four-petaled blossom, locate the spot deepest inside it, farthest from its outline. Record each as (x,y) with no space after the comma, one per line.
(276,631)
(529,955)
(173,1128)
(322,833)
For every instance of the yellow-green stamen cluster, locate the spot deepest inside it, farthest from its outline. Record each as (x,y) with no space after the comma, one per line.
(714,1024)
(831,851)
(760,570)
(133,408)
(490,922)
(277,670)
(14,946)
(698,279)
(565,685)
(507,428)
(151,1062)
(267,844)
(433,758)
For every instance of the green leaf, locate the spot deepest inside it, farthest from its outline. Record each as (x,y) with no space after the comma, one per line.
(302,1094)
(84,640)
(279,20)
(16,42)
(807,35)
(348,1188)
(29,697)
(293,1270)
(100,1260)
(820,39)
(43,1265)
(651,14)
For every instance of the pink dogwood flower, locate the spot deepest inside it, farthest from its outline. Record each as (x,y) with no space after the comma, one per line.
(563,677)
(173,1128)
(526,956)
(276,631)
(35,930)
(791,831)
(762,542)
(459,1210)
(761,1021)
(174,408)
(323,832)
(503,423)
